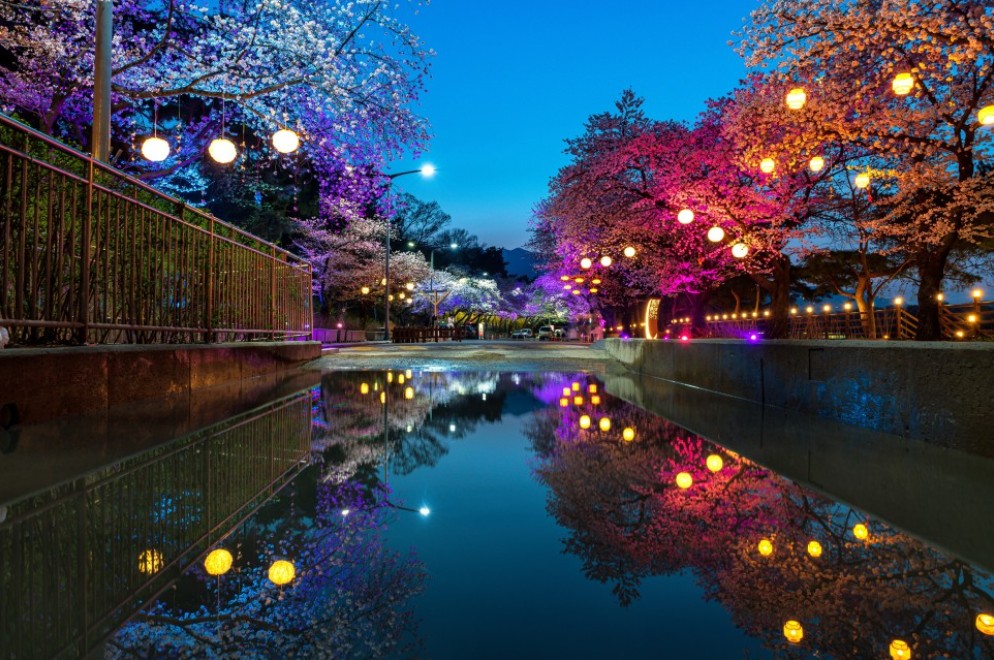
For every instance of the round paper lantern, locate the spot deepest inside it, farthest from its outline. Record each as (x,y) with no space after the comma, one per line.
(364,388)
(585,263)
(816,164)
(155,149)
(986,115)
(767,165)
(606,261)
(860,531)
(685,217)
(903,84)
(814,549)
(862,180)
(899,650)
(793,631)
(604,424)
(629,252)
(715,463)
(765,547)
(628,434)
(564,403)
(796,98)
(408,393)
(281,572)
(716,234)
(740,250)
(584,421)
(222,150)
(985,623)
(218,562)
(285,141)
(684,480)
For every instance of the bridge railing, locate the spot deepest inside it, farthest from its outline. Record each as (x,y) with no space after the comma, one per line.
(91,255)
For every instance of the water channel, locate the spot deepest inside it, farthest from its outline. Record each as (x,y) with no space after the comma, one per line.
(439,514)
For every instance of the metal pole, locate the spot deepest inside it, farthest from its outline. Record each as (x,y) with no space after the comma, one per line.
(386,289)
(101,80)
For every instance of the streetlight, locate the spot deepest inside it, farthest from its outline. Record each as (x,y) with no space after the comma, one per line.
(435,300)
(427,170)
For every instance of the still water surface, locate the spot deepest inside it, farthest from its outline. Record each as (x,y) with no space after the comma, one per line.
(476,515)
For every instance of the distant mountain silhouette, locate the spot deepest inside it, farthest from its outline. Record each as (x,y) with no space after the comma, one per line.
(520,263)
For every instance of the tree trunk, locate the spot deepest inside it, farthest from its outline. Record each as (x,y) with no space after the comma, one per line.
(931,271)
(778,326)
(864,303)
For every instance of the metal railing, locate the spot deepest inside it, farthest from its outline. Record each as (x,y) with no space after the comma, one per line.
(80,559)
(91,255)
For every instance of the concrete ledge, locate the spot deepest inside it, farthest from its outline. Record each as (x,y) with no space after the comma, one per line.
(47,383)
(940,392)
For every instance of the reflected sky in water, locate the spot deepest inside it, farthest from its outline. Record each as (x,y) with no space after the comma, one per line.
(483,515)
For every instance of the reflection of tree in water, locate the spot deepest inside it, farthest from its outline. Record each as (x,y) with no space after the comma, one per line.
(628,521)
(349,598)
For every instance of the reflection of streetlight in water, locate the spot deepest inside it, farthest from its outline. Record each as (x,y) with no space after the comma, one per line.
(385,399)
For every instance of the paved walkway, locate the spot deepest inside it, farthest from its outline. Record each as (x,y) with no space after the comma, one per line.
(469,355)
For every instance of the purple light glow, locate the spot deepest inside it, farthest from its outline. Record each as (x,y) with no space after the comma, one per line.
(684,338)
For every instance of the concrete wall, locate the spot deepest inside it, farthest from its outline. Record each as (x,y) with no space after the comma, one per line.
(47,383)
(940,392)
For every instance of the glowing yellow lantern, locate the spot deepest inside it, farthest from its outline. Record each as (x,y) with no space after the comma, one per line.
(715,463)
(400,379)
(408,393)
(899,650)
(860,531)
(862,180)
(364,388)
(592,388)
(816,164)
(985,623)
(150,562)
(222,150)
(629,252)
(564,278)
(564,403)
(716,234)
(218,562)
(684,480)
(281,572)
(155,149)
(740,250)
(765,547)
(793,631)
(796,98)
(986,115)
(903,84)
(606,261)
(814,549)
(365,290)
(604,424)
(628,434)
(595,400)
(578,401)
(584,421)
(285,141)
(586,263)
(685,217)
(567,391)
(575,387)
(389,376)
(767,165)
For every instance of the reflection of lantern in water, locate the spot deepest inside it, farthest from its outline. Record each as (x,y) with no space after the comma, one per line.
(715,463)
(595,400)
(409,374)
(383,397)
(400,379)
(628,434)
(567,391)
(814,549)
(985,623)
(899,650)
(684,480)
(605,424)
(860,531)
(578,401)
(364,388)
(576,387)
(281,572)
(793,631)
(766,547)
(592,388)
(584,421)
(408,393)
(389,376)
(218,562)
(564,402)
(150,561)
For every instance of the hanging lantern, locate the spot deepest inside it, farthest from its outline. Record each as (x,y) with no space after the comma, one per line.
(577,292)
(814,549)
(222,150)
(564,402)
(564,278)
(629,252)
(796,98)
(715,463)
(604,424)
(592,388)
(383,397)
(595,400)
(585,263)
(365,290)
(574,387)
(218,562)
(578,400)
(716,234)
(860,531)
(816,164)
(985,623)
(684,480)
(594,290)
(281,572)
(862,180)
(155,149)
(767,165)
(793,631)
(150,562)
(584,422)
(285,141)
(685,217)
(765,547)
(899,650)
(986,115)
(364,388)
(740,250)
(606,261)
(628,434)
(903,84)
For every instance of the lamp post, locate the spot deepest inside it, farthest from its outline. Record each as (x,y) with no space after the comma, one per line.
(435,300)
(101,80)
(426,171)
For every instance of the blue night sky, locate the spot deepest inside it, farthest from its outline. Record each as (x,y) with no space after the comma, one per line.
(512,79)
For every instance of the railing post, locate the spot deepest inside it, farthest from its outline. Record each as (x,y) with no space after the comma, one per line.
(209,302)
(272,293)
(84,254)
